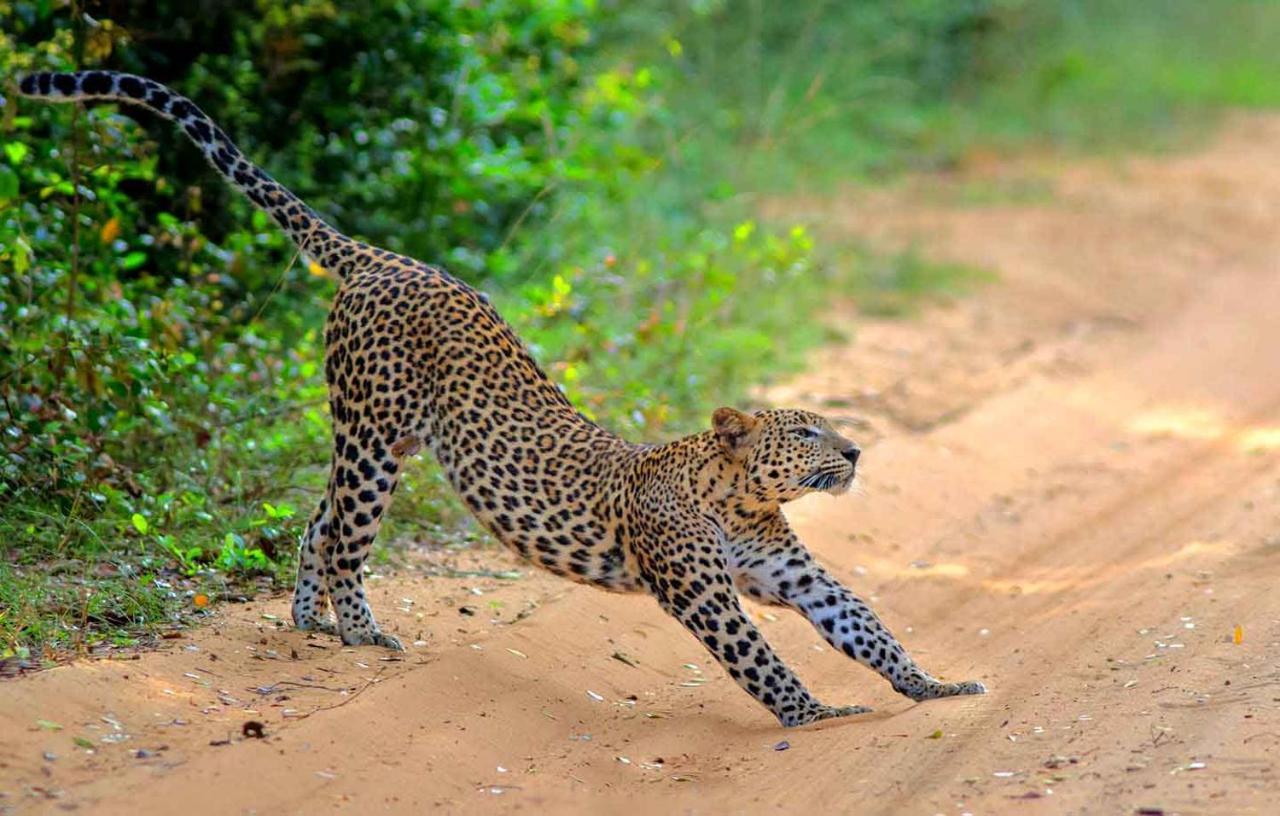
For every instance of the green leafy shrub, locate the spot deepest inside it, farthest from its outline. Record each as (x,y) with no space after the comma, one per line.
(595,164)
(161,346)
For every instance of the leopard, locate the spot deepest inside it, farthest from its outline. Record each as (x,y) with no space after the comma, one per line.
(414,359)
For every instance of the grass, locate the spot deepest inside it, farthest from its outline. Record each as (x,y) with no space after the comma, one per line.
(80,585)
(811,101)
(896,285)
(76,605)
(1106,74)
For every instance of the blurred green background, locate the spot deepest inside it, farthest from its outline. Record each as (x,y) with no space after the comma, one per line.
(595,165)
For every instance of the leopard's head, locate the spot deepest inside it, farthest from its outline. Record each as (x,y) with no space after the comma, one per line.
(786,453)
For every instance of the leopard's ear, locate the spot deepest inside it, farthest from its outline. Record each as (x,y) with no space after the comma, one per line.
(736,431)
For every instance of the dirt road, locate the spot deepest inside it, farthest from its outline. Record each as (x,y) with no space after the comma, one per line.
(1071,491)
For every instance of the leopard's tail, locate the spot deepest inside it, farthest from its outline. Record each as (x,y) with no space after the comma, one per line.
(334,251)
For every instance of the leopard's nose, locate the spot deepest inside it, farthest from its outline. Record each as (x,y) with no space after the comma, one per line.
(851,455)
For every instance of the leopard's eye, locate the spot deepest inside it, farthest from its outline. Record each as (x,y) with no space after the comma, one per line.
(805,433)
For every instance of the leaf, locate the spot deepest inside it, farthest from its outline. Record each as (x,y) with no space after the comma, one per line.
(21,255)
(48,725)
(8,184)
(64,187)
(133,260)
(99,42)
(140,523)
(83,742)
(316,269)
(16,151)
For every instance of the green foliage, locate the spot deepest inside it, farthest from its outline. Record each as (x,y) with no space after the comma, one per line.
(160,350)
(429,127)
(894,285)
(648,341)
(767,93)
(776,97)
(595,165)
(62,603)
(1108,73)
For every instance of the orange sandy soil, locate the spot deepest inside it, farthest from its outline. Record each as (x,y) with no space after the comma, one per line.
(1071,491)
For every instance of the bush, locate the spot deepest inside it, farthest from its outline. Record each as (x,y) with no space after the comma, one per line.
(161,346)
(595,164)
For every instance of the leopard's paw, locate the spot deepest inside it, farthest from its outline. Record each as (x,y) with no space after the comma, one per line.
(935,690)
(386,641)
(826,712)
(325,626)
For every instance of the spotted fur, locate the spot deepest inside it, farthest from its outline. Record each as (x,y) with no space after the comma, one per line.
(414,357)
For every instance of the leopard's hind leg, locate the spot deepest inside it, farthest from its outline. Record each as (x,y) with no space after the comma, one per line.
(310,592)
(365,474)
(378,402)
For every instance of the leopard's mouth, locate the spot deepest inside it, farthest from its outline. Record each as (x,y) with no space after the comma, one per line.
(834,482)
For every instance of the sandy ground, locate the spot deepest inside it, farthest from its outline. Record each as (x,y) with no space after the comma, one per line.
(1071,488)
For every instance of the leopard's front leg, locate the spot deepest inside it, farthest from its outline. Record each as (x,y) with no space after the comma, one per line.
(772,566)
(691,581)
